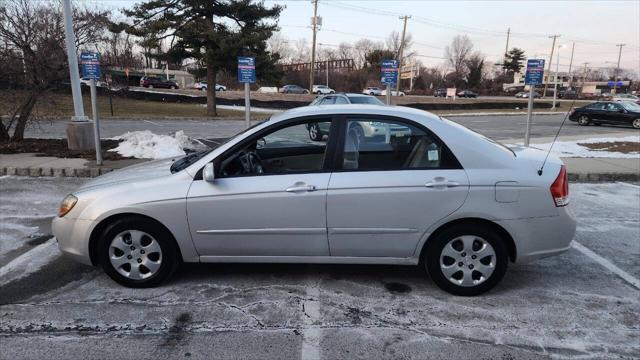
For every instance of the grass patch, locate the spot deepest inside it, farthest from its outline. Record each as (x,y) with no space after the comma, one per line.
(625,147)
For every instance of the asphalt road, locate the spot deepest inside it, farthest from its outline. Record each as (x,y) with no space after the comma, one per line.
(500,127)
(581,304)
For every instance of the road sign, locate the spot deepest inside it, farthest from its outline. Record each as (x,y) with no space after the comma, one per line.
(389,72)
(90,63)
(246,69)
(535,72)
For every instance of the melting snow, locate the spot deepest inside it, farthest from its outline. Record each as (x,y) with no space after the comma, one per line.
(147,145)
(573,149)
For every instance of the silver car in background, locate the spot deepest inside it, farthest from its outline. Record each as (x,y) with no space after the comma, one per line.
(434,194)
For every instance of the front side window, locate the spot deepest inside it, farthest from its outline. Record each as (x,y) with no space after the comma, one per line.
(596,106)
(612,107)
(373,144)
(296,148)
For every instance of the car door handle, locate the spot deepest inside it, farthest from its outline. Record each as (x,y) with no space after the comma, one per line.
(441,184)
(301,188)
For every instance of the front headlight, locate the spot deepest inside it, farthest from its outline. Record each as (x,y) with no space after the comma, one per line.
(67,204)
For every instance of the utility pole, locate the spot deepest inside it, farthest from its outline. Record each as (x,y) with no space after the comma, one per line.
(314,24)
(573,46)
(584,77)
(553,46)
(401,50)
(506,50)
(615,76)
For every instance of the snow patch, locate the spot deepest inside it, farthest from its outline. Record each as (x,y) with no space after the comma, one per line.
(573,149)
(147,145)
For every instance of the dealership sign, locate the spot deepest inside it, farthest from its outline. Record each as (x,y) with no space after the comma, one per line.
(389,72)
(246,69)
(90,62)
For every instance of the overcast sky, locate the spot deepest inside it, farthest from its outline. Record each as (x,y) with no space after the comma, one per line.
(595,26)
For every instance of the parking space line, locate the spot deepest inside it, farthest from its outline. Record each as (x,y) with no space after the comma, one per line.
(607,264)
(311,333)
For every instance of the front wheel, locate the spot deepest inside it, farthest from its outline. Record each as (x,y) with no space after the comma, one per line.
(466,260)
(136,252)
(636,123)
(583,120)
(150,86)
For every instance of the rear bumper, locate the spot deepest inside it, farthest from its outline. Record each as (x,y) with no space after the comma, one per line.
(537,238)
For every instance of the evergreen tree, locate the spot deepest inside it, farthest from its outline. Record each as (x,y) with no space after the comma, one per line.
(214,32)
(513,60)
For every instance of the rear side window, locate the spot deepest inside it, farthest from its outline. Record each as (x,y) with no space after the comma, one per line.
(375,144)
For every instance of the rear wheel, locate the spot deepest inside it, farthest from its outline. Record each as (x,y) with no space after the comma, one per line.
(466,260)
(636,123)
(136,252)
(173,87)
(584,120)
(315,133)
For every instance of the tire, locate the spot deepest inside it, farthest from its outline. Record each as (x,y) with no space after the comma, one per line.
(305,92)
(583,120)
(448,272)
(371,93)
(332,92)
(138,234)
(150,86)
(172,87)
(315,133)
(636,123)
(319,93)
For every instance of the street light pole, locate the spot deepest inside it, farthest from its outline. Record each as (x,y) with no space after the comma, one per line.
(80,130)
(546,83)
(73,62)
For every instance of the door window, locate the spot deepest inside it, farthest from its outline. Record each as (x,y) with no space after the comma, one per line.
(613,107)
(296,148)
(373,144)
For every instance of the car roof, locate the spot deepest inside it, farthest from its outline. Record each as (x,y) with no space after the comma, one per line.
(311,110)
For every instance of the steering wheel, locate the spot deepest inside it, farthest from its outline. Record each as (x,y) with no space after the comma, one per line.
(251,162)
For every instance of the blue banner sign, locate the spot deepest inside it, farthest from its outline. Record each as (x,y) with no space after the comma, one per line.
(612,83)
(535,72)
(246,69)
(90,64)
(389,72)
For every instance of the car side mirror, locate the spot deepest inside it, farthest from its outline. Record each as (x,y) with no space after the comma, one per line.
(208,173)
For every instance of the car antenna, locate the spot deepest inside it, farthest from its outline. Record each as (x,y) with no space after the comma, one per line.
(566,115)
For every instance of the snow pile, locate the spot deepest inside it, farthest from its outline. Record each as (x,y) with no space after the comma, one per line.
(573,149)
(147,145)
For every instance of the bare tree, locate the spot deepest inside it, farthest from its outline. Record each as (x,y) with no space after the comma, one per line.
(363,47)
(33,34)
(457,55)
(279,44)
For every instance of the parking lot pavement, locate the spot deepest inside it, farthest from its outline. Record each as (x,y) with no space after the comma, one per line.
(566,306)
(497,127)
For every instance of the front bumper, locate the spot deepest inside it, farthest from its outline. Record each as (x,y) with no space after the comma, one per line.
(73,237)
(537,238)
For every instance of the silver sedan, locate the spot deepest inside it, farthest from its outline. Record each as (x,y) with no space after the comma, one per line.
(423,191)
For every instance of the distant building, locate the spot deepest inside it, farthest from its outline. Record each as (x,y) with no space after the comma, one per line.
(565,81)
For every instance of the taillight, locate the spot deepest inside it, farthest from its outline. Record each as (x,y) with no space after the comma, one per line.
(560,188)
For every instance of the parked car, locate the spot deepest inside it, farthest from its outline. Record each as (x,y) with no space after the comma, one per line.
(156,82)
(525,95)
(372,91)
(608,112)
(393,93)
(322,89)
(202,85)
(568,94)
(318,130)
(467,94)
(626,97)
(293,89)
(270,194)
(440,93)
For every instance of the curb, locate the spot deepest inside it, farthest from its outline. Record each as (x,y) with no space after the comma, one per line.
(503,113)
(55,172)
(94,172)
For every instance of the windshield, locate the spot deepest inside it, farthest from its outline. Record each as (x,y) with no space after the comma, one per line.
(630,106)
(365,100)
(184,162)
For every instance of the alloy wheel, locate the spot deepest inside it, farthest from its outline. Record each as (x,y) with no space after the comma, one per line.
(583,120)
(636,123)
(467,260)
(135,254)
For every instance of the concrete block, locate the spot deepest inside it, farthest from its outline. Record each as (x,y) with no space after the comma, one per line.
(105,170)
(46,171)
(58,172)
(70,172)
(94,172)
(80,135)
(22,171)
(35,171)
(10,170)
(82,172)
